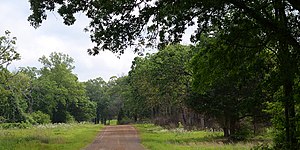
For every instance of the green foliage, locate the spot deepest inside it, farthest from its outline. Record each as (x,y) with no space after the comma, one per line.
(160,84)
(12,100)
(58,91)
(8,51)
(277,111)
(262,146)
(69,118)
(12,85)
(21,125)
(40,117)
(227,88)
(125,120)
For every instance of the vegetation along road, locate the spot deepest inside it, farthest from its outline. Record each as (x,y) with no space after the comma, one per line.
(121,137)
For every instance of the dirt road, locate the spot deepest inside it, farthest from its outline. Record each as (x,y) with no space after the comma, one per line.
(121,137)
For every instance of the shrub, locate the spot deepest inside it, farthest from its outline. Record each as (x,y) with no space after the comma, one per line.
(39,118)
(125,120)
(262,146)
(15,125)
(70,118)
(244,131)
(2,119)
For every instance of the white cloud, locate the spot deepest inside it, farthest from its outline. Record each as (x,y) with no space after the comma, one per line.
(52,36)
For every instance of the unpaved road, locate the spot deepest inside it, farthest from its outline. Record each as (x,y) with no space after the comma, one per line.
(121,137)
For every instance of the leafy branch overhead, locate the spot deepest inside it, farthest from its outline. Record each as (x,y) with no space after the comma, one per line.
(117,25)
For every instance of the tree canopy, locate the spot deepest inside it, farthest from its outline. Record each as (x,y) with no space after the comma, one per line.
(117,25)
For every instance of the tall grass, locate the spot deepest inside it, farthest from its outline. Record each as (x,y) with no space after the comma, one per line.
(157,138)
(49,137)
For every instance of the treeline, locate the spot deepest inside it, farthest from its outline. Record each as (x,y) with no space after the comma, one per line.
(49,94)
(198,89)
(211,85)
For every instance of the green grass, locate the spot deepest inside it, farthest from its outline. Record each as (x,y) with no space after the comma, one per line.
(113,122)
(49,137)
(157,138)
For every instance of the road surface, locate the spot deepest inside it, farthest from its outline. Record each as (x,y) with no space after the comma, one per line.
(121,137)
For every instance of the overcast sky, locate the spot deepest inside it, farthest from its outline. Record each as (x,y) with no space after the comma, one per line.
(52,36)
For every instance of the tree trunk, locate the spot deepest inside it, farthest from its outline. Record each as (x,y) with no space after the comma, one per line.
(290,125)
(288,66)
(254,125)
(287,71)
(225,127)
(183,117)
(233,126)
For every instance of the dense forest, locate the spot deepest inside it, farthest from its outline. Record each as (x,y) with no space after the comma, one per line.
(240,75)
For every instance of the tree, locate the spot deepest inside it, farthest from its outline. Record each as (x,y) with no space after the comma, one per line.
(11,103)
(171,76)
(144,93)
(12,100)
(116,91)
(32,73)
(229,89)
(8,51)
(161,83)
(96,92)
(123,22)
(59,93)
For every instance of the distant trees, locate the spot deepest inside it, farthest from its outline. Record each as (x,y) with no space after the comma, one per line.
(59,93)
(161,83)
(12,104)
(52,91)
(8,50)
(96,92)
(111,98)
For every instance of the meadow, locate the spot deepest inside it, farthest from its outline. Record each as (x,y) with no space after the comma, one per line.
(49,136)
(156,138)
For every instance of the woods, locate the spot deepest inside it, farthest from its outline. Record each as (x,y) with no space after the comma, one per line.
(240,74)
(52,91)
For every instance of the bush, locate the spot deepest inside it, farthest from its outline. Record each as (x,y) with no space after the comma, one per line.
(15,125)
(29,119)
(125,120)
(244,131)
(262,147)
(2,119)
(39,118)
(70,118)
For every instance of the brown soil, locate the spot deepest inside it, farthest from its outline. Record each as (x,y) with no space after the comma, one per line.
(121,137)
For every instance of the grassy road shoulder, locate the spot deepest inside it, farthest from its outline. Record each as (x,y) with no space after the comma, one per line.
(157,138)
(49,137)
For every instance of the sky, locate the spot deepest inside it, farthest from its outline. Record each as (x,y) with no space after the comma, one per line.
(54,36)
